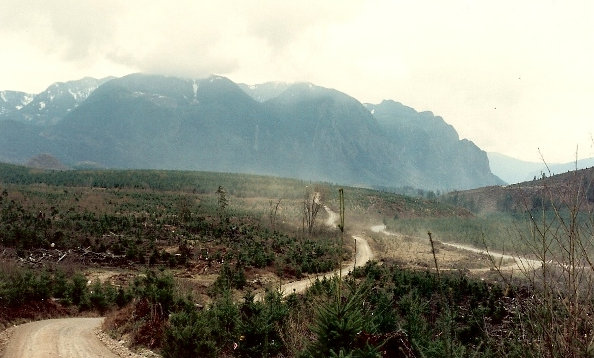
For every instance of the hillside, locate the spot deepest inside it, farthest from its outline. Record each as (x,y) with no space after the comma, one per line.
(53,104)
(177,272)
(513,170)
(561,190)
(430,147)
(12,101)
(293,130)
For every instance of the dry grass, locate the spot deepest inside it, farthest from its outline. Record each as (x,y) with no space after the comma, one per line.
(114,276)
(415,252)
(296,335)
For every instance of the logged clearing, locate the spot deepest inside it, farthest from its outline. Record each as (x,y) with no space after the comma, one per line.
(363,254)
(415,253)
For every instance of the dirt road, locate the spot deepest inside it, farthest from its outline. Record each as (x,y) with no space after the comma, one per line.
(65,337)
(363,254)
(518,261)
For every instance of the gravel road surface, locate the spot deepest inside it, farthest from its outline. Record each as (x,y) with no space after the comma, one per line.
(53,338)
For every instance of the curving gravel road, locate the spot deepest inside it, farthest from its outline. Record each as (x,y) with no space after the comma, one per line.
(53,338)
(364,254)
(77,337)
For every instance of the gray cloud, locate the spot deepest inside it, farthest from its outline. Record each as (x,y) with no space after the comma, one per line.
(487,67)
(190,38)
(70,29)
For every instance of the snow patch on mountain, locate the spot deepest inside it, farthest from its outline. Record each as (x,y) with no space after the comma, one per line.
(27,98)
(13,101)
(81,94)
(195,88)
(73,94)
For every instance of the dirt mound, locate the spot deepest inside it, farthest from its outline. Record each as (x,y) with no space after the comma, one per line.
(46,161)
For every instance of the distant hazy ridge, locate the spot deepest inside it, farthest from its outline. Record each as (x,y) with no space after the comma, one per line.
(293,130)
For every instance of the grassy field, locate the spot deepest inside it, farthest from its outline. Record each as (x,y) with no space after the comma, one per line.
(496,231)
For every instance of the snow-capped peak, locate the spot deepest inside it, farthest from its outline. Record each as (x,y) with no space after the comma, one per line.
(51,105)
(11,101)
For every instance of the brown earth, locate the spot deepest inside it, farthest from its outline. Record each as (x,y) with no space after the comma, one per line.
(415,253)
(63,337)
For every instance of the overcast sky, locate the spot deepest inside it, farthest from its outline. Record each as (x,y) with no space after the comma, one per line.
(513,76)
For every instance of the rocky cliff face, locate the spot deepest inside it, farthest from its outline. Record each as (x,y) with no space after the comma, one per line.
(431,148)
(299,130)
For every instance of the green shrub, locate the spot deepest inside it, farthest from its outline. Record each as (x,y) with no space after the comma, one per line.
(337,324)
(228,279)
(59,285)
(203,333)
(23,286)
(77,292)
(189,334)
(101,296)
(123,297)
(260,325)
(158,289)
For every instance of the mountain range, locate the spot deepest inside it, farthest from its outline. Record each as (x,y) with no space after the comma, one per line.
(295,130)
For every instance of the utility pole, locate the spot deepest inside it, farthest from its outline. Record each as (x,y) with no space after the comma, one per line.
(341,227)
